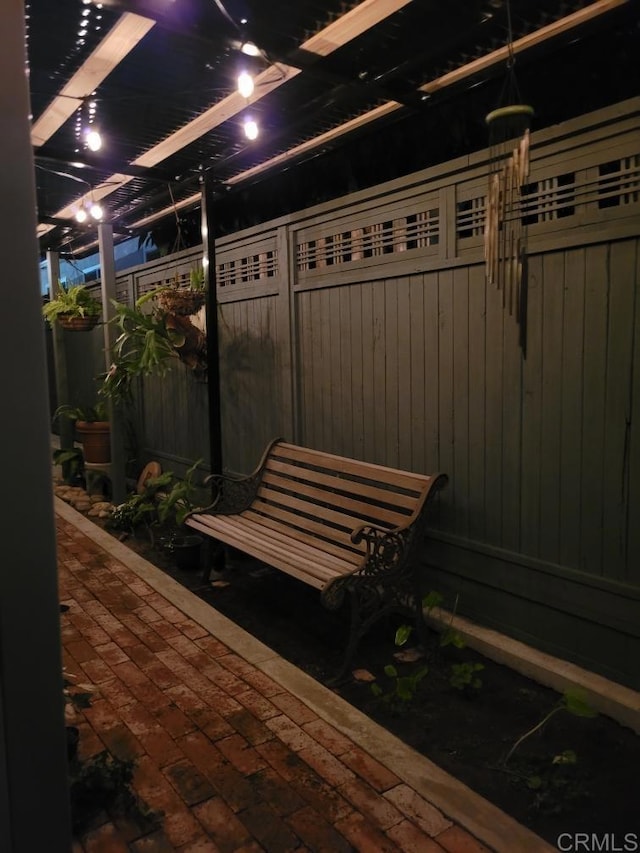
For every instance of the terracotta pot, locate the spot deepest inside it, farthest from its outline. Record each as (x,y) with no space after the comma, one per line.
(96,440)
(77,324)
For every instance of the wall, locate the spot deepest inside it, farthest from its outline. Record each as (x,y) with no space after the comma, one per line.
(365,327)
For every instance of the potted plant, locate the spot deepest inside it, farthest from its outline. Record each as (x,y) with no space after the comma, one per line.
(183,301)
(92,428)
(74,307)
(162,503)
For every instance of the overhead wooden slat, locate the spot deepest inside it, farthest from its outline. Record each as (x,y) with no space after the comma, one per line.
(335,35)
(353,507)
(362,490)
(119,41)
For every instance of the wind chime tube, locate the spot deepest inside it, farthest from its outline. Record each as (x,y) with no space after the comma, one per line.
(509,168)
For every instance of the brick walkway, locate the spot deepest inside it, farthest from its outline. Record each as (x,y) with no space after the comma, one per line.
(234,760)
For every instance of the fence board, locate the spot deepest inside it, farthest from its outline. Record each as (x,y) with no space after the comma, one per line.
(511,432)
(392,369)
(461,412)
(595,354)
(357,371)
(531,495)
(417,424)
(553,284)
(446,398)
(379,375)
(621,275)
(571,483)
(477,435)
(633,540)
(493,416)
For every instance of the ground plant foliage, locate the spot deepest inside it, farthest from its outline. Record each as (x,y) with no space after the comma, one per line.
(554,769)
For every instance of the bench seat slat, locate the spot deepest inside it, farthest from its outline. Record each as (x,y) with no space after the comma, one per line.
(307,567)
(318,564)
(317,528)
(288,532)
(379,473)
(253,526)
(315,509)
(356,508)
(334,481)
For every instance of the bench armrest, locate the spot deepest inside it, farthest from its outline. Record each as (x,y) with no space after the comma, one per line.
(384,546)
(234,494)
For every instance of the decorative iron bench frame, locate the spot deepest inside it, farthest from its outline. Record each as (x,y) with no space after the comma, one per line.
(337,524)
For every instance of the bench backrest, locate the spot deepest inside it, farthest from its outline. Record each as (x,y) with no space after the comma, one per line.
(316,494)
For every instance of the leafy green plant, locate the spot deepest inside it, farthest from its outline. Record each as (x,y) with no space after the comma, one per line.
(573,701)
(164,502)
(90,414)
(144,346)
(74,301)
(556,784)
(404,688)
(71,461)
(464,677)
(449,637)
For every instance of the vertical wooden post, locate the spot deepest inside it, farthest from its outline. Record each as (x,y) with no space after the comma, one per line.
(34,792)
(59,354)
(213,355)
(108,288)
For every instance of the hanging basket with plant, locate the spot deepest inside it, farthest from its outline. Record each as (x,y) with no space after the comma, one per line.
(74,308)
(183,301)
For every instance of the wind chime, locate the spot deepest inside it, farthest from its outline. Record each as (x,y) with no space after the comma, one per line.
(505,233)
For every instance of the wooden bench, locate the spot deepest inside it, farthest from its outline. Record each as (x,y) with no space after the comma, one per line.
(339,525)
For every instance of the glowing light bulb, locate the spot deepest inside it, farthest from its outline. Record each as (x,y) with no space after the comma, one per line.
(245,84)
(250,49)
(96,211)
(81,215)
(93,140)
(251,129)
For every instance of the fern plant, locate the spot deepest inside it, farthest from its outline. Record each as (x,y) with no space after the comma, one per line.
(74,301)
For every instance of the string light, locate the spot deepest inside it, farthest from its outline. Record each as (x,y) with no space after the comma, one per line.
(250,49)
(251,129)
(93,140)
(90,210)
(245,84)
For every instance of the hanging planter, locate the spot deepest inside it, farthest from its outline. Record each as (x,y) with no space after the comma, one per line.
(74,308)
(180,301)
(183,301)
(77,324)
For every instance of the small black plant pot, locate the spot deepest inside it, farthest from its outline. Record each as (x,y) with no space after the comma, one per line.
(185,550)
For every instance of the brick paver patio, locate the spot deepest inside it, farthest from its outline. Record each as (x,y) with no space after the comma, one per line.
(233,760)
